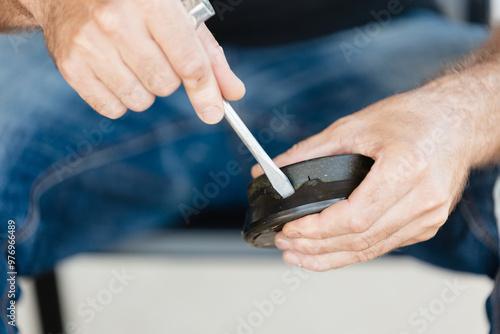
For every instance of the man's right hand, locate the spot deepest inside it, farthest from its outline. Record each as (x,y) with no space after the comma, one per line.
(119,54)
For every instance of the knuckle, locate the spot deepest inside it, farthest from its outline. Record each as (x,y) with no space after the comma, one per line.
(361,243)
(415,156)
(438,220)
(303,226)
(305,247)
(290,226)
(324,234)
(212,42)
(146,64)
(441,197)
(107,16)
(217,56)
(81,40)
(138,99)
(158,81)
(321,225)
(219,49)
(314,264)
(70,70)
(169,88)
(143,103)
(442,217)
(163,84)
(100,57)
(83,43)
(112,111)
(426,236)
(96,103)
(116,113)
(435,198)
(322,231)
(193,68)
(360,224)
(366,255)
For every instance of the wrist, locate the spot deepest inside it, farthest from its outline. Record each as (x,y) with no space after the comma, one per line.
(37,9)
(469,108)
(14,17)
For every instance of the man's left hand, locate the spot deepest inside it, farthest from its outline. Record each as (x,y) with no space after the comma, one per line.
(421,144)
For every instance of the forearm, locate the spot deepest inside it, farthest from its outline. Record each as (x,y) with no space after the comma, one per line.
(471,87)
(15,17)
(488,52)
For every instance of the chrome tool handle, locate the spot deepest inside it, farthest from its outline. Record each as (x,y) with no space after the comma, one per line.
(199,11)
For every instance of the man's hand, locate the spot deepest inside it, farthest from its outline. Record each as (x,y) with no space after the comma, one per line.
(424,143)
(119,54)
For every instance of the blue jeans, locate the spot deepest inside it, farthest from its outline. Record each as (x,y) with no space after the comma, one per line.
(74,181)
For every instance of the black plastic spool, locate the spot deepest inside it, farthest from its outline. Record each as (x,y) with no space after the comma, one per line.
(318,184)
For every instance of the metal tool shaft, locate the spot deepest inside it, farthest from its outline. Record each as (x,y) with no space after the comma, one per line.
(199,11)
(278,179)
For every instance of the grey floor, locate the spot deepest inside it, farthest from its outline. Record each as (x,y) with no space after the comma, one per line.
(214,283)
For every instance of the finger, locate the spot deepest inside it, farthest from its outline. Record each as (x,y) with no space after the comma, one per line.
(405,212)
(335,260)
(336,139)
(91,89)
(425,234)
(377,193)
(172,29)
(329,261)
(101,99)
(231,86)
(108,66)
(401,213)
(136,47)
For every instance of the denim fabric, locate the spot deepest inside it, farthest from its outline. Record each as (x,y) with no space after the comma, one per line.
(74,181)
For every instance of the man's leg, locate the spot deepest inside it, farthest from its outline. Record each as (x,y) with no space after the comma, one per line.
(147,171)
(468,241)
(73,181)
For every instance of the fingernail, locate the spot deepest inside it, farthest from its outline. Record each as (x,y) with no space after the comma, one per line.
(292,259)
(212,115)
(293,235)
(283,244)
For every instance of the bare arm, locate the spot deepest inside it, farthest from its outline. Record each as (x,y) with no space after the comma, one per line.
(121,54)
(424,143)
(15,17)
(477,77)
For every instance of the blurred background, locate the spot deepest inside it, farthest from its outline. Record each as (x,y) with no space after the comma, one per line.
(210,281)
(213,283)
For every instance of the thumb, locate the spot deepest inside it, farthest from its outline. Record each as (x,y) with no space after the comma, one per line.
(328,142)
(231,87)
